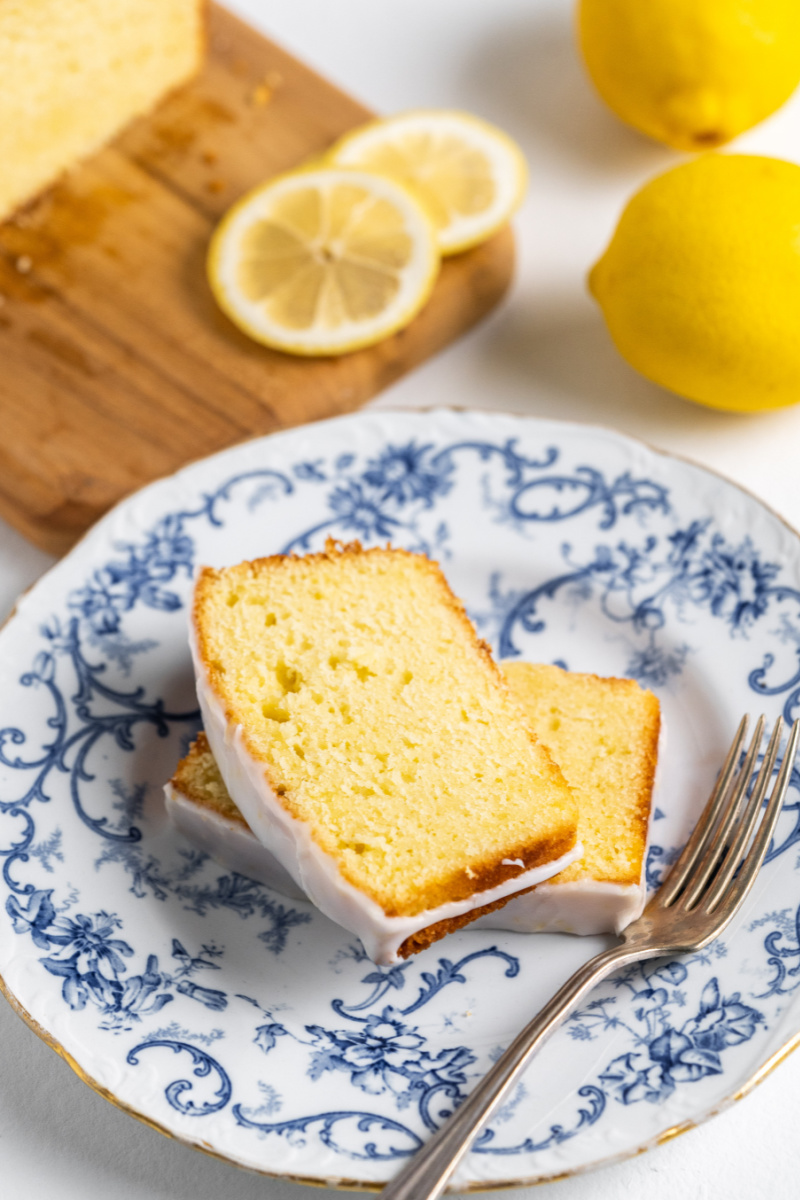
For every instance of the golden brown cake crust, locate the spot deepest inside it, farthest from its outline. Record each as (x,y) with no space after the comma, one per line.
(460,884)
(641,817)
(432,933)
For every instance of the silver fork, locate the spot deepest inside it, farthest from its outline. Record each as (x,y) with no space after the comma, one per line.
(703,891)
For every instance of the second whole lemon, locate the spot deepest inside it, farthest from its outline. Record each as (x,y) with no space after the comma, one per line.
(692,73)
(700,285)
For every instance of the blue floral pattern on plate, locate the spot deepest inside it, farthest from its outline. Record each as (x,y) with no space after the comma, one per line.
(284,1048)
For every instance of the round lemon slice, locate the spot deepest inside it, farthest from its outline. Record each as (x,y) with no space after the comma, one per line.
(470,175)
(323,261)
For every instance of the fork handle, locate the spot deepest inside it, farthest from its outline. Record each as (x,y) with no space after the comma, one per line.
(427,1174)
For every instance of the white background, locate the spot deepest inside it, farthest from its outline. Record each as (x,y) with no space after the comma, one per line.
(545,352)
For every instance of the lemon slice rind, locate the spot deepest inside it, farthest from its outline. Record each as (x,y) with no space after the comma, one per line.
(504,161)
(412,281)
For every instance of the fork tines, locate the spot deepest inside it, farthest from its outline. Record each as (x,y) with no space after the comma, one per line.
(720,850)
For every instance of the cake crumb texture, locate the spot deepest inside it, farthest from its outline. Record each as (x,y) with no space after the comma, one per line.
(381,720)
(197,777)
(73,73)
(603,733)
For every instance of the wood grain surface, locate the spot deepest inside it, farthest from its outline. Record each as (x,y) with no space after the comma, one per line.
(116,366)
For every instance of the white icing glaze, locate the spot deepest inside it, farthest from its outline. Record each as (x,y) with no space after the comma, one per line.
(289,840)
(229,842)
(581,906)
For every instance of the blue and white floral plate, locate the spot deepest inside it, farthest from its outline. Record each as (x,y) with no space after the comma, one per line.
(252,1027)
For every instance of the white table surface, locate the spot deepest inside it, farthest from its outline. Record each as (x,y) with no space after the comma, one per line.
(545,353)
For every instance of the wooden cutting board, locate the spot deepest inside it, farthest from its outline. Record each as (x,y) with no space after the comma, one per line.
(116,366)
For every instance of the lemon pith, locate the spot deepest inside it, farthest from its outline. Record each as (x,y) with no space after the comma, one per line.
(469,175)
(692,73)
(700,284)
(323,261)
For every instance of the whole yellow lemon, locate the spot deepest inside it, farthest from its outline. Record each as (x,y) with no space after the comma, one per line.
(692,73)
(700,285)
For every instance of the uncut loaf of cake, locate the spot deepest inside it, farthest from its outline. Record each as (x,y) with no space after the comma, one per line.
(73,73)
(604,734)
(371,743)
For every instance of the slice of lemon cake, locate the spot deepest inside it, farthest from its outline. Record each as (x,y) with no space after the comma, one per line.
(74,72)
(604,735)
(371,743)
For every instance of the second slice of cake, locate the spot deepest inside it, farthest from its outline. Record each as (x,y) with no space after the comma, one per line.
(604,734)
(372,744)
